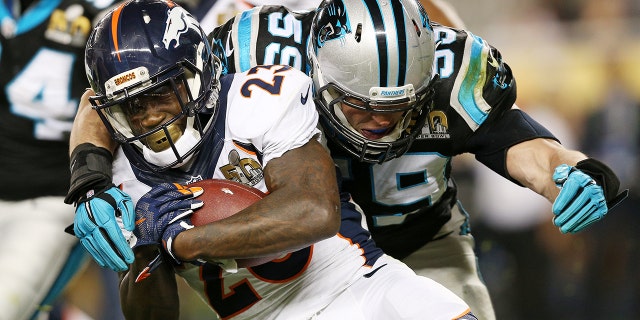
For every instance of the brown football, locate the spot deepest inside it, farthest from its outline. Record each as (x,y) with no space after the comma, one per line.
(224,198)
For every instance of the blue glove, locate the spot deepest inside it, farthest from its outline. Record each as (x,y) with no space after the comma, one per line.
(96,225)
(581,201)
(163,213)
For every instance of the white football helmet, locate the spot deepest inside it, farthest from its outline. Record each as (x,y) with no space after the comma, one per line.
(381,53)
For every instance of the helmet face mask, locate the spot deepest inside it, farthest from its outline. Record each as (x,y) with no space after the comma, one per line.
(380,56)
(172,70)
(122,114)
(395,144)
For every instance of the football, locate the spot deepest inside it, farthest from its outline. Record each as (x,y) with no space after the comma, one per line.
(224,198)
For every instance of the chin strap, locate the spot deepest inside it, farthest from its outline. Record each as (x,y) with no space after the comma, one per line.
(90,170)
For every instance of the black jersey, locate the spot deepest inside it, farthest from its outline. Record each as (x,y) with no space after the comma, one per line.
(263,35)
(408,199)
(42,78)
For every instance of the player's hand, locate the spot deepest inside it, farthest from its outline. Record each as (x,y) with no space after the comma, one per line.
(581,201)
(588,192)
(163,213)
(96,224)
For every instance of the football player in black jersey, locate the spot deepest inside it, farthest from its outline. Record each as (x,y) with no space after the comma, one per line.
(396,160)
(394,125)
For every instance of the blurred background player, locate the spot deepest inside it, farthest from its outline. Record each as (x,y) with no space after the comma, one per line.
(41,75)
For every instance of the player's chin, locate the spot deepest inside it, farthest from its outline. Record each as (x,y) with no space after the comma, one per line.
(374,134)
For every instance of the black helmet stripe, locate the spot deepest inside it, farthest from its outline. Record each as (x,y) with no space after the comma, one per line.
(381,37)
(398,15)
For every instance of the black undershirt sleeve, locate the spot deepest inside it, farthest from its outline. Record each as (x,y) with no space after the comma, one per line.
(492,140)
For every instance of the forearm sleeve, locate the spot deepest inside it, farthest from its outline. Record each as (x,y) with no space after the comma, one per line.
(90,169)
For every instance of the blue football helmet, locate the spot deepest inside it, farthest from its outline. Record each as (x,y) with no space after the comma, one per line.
(146,50)
(379,53)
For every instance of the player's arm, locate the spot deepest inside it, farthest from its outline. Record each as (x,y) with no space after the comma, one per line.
(154,298)
(443,13)
(98,202)
(302,208)
(514,145)
(91,148)
(88,128)
(532,163)
(581,189)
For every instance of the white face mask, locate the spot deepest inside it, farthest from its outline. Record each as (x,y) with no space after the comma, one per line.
(184,144)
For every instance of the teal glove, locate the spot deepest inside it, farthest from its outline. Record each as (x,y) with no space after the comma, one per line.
(99,206)
(97,227)
(581,201)
(588,192)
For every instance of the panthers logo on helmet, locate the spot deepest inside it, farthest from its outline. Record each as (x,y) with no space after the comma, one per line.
(424,17)
(333,23)
(218,49)
(178,22)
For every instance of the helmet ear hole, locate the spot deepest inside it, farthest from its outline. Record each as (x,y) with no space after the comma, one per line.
(358,33)
(416,28)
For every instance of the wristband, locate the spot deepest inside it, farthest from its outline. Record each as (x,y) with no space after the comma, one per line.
(605,178)
(90,169)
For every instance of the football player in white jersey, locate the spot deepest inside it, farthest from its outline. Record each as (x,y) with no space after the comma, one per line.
(401,176)
(158,90)
(92,153)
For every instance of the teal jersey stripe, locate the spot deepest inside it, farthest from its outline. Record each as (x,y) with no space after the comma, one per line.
(474,80)
(244,41)
(37,15)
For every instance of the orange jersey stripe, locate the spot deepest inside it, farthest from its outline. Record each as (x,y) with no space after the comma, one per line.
(244,149)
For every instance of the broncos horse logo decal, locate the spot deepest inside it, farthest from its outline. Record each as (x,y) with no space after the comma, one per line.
(333,23)
(178,22)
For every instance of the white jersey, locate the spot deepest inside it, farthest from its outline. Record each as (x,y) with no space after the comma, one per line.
(296,286)
(262,114)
